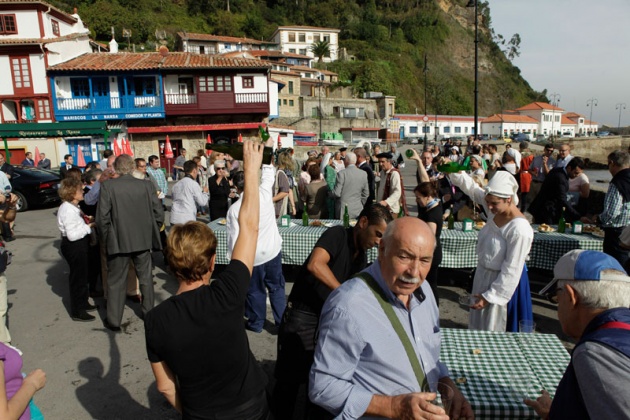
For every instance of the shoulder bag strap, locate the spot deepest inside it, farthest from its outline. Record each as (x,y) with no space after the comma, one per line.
(397,325)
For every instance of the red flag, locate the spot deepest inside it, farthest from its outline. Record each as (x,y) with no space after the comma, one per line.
(80,157)
(36,159)
(168,149)
(127,147)
(117,151)
(240,138)
(209,140)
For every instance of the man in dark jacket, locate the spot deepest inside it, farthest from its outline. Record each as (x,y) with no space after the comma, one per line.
(593,294)
(548,204)
(129,216)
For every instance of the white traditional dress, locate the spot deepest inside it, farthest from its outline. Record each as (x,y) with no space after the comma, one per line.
(501,252)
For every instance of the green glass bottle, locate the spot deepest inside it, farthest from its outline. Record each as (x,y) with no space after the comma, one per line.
(451,219)
(401,212)
(409,153)
(562,223)
(264,135)
(346,217)
(450,168)
(305,216)
(236,151)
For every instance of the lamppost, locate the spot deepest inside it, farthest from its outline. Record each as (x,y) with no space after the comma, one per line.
(425,70)
(555,100)
(320,77)
(620,106)
(473,3)
(591,102)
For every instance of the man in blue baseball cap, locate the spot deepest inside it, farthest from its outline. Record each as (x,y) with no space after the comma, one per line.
(592,291)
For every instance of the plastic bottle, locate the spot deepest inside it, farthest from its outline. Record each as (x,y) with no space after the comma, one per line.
(451,219)
(346,217)
(562,223)
(236,151)
(304,216)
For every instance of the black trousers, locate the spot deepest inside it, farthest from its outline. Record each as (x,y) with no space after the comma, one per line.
(612,245)
(76,254)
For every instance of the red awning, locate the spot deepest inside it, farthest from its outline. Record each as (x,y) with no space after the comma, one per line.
(201,127)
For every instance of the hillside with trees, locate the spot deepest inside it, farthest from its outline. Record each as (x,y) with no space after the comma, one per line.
(393,45)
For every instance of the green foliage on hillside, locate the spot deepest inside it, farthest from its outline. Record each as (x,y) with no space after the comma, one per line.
(387,39)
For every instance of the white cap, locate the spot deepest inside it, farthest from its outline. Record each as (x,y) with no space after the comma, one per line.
(503,185)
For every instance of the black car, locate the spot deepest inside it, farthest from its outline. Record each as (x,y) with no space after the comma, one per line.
(35,187)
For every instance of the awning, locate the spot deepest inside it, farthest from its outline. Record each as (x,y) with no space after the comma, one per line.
(200,127)
(60,129)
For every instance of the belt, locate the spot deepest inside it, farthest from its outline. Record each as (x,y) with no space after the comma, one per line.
(300,307)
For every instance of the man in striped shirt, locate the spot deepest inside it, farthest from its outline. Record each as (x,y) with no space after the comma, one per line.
(616,214)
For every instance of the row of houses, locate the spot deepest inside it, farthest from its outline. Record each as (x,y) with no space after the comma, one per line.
(537,119)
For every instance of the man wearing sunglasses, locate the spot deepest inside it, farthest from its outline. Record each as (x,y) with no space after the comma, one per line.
(592,291)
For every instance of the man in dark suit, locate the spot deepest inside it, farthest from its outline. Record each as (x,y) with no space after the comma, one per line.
(28,160)
(548,204)
(44,162)
(129,216)
(364,164)
(68,165)
(351,189)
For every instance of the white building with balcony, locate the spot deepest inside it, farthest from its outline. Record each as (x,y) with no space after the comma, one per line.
(299,39)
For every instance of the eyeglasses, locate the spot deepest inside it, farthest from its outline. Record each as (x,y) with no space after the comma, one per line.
(221,168)
(552,295)
(142,166)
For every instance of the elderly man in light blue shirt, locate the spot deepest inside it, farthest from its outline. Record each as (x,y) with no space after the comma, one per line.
(361,368)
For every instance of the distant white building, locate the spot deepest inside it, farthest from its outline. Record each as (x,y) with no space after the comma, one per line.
(216,44)
(299,39)
(434,126)
(504,125)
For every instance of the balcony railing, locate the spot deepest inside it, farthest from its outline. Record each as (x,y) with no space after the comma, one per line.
(250,98)
(105,103)
(180,99)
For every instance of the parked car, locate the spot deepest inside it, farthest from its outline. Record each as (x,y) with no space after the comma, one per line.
(520,137)
(602,133)
(35,187)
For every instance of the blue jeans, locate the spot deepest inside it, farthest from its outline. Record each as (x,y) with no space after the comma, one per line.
(265,277)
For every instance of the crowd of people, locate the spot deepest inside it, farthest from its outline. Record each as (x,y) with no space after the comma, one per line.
(346,328)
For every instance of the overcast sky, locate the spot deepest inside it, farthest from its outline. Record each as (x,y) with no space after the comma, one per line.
(577,48)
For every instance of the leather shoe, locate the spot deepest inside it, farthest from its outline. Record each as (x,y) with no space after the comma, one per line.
(83,317)
(110,326)
(90,308)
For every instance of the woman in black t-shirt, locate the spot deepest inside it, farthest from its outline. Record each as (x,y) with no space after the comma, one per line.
(219,189)
(196,340)
(430,210)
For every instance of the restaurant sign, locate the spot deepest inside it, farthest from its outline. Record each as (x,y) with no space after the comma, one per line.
(64,129)
(102,117)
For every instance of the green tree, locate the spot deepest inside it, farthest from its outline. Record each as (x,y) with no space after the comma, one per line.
(320,49)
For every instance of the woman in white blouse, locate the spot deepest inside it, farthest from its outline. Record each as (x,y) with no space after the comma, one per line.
(75,234)
(500,285)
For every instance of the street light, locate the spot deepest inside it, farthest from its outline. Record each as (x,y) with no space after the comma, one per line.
(591,102)
(425,70)
(620,106)
(555,100)
(473,3)
(320,77)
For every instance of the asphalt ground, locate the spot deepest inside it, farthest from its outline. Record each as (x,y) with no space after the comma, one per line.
(93,373)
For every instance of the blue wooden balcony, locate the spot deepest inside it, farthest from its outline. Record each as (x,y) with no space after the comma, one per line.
(108,107)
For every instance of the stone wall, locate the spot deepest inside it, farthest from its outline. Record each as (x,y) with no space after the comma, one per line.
(597,148)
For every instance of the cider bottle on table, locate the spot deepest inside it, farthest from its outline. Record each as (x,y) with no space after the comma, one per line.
(451,219)
(305,216)
(562,224)
(346,217)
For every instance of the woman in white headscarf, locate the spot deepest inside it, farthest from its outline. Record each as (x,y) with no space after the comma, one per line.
(500,285)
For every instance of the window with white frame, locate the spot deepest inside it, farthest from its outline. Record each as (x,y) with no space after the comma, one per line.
(43,109)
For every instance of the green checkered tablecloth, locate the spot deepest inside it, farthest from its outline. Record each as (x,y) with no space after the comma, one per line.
(458,247)
(488,384)
(297,241)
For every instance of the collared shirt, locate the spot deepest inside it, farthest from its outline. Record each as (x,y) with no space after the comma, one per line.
(71,223)
(5,184)
(158,175)
(616,213)
(395,190)
(538,164)
(91,197)
(187,195)
(359,354)
(562,163)
(269,239)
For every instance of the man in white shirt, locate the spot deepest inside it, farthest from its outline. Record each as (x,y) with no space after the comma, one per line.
(267,272)
(187,195)
(564,156)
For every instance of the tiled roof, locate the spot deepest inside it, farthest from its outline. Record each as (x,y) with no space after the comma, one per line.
(510,118)
(450,118)
(43,3)
(154,61)
(573,115)
(309,28)
(539,105)
(304,68)
(27,41)
(285,73)
(216,38)
(567,121)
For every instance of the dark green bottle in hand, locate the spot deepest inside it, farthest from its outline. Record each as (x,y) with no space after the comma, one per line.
(346,217)
(305,216)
